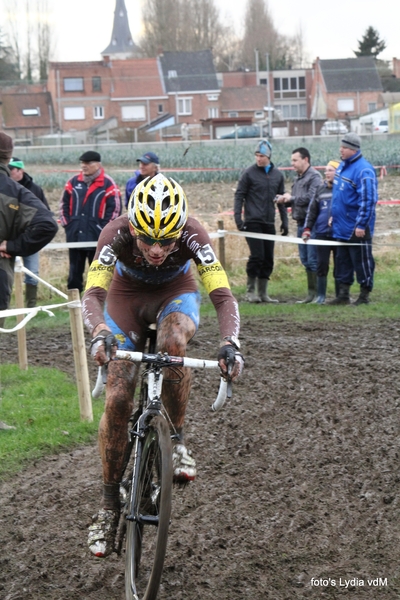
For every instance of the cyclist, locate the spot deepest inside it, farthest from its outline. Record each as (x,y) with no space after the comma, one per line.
(141,274)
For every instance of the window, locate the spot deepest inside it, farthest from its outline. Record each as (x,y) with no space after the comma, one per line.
(96,84)
(133,113)
(233,114)
(213,112)
(277,84)
(172,74)
(293,83)
(160,109)
(345,105)
(285,83)
(302,83)
(31,112)
(73,84)
(259,114)
(286,111)
(74,113)
(212,97)
(371,106)
(303,111)
(98,112)
(184,106)
(294,111)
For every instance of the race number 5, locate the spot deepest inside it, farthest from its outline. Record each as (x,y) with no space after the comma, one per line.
(107,256)
(207,255)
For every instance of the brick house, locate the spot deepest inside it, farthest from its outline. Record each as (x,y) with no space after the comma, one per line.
(26,112)
(345,88)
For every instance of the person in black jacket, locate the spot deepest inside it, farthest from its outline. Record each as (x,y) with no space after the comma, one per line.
(18,174)
(256,191)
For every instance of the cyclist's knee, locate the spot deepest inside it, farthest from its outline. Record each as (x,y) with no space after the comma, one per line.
(174,333)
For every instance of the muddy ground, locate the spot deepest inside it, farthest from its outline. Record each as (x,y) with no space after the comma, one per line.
(298,479)
(298,488)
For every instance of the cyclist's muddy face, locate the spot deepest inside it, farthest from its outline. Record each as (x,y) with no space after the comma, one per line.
(155,254)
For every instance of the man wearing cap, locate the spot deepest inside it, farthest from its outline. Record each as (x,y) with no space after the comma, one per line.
(149,165)
(18,174)
(304,188)
(90,200)
(256,191)
(26,225)
(355,194)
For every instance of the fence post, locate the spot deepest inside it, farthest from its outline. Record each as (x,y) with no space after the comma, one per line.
(79,349)
(19,301)
(221,245)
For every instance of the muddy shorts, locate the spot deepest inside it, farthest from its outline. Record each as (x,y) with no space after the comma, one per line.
(130,326)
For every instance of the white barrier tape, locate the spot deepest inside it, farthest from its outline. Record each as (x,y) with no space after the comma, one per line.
(285,238)
(32,312)
(28,272)
(294,240)
(63,245)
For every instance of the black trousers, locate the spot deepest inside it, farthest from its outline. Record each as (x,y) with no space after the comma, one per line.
(323,256)
(77,261)
(261,259)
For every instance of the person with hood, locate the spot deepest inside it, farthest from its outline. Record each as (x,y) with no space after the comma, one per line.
(256,191)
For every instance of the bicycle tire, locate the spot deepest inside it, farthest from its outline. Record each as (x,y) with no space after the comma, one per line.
(147,533)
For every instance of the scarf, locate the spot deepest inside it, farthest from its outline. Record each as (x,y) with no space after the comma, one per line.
(88,179)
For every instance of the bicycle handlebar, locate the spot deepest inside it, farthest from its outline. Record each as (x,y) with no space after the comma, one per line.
(164,360)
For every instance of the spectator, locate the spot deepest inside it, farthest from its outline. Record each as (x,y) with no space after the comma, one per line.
(18,174)
(319,215)
(304,188)
(256,190)
(149,165)
(90,200)
(26,225)
(355,194)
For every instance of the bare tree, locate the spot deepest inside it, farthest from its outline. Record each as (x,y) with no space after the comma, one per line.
(44,38)
(30,36)
(260,34)
(180,25)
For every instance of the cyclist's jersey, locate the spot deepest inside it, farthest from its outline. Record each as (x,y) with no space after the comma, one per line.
(120,273)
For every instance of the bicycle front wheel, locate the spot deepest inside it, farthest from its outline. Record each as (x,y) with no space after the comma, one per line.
(148,522)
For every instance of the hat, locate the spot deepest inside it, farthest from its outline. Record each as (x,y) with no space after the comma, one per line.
(264,147)
(6,147)
(16,163)
(149,157)
(334,163)
(90,156)
(352,141)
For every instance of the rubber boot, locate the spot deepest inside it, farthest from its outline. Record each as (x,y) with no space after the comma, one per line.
(363,298)
(251,295)
(30,295)
(312,287)
(2,322)
(263,291)
(321,290)
(343,296)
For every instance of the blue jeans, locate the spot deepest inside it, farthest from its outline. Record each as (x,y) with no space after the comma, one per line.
(307,252)
(32,263)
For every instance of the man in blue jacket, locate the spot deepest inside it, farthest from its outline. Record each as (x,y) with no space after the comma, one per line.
(354,198)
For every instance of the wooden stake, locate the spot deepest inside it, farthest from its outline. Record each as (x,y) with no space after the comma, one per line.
(221,245)
(19,301)
(79,349)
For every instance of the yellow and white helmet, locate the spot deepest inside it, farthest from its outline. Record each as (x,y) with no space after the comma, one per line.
(158,207)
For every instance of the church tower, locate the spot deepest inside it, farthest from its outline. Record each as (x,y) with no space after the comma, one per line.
(122,45)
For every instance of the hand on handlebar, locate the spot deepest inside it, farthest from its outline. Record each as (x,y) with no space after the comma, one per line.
(230,361)
(103,347)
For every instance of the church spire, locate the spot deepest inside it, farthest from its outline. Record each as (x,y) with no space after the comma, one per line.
(122,45)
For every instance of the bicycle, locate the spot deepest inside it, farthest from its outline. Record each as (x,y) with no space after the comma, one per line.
(146,488)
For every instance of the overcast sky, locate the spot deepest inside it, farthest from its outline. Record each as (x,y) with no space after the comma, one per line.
(83,28)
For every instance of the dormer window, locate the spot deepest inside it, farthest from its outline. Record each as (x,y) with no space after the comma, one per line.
(172,74)
(31,112)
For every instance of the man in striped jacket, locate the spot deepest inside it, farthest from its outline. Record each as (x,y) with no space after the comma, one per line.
(90,201)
